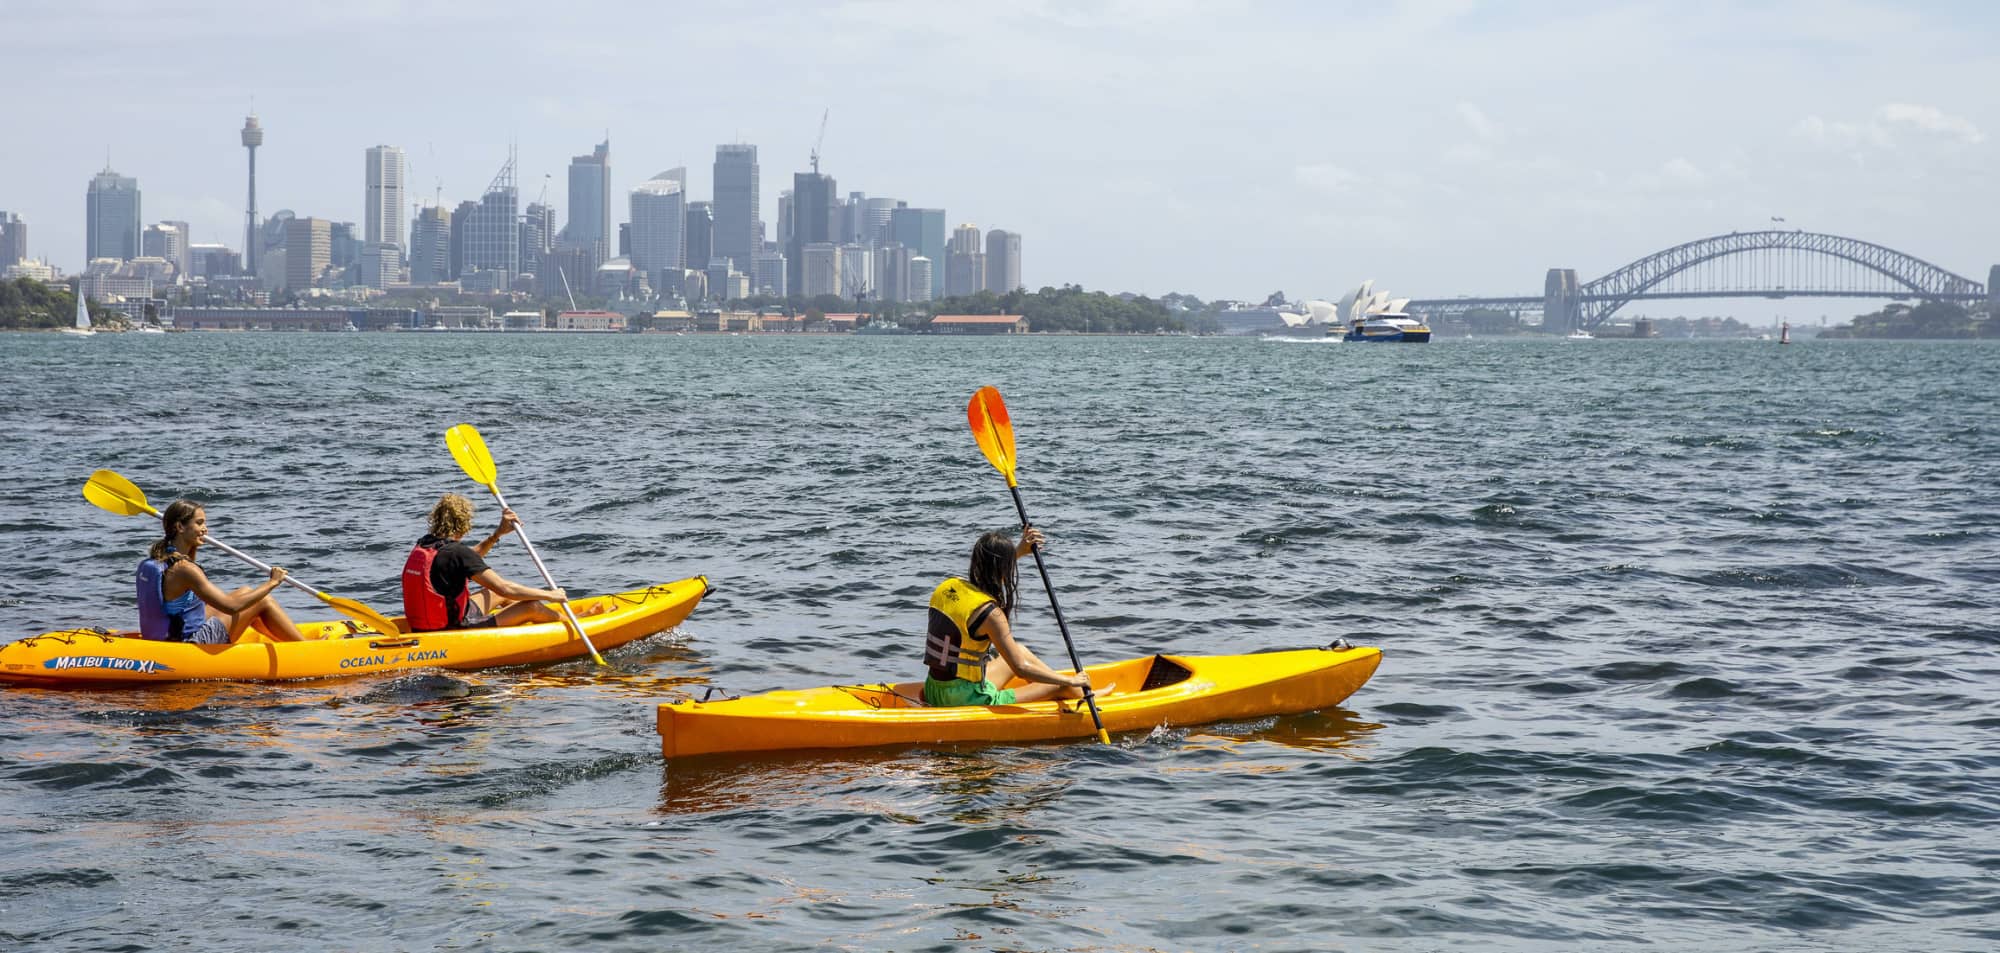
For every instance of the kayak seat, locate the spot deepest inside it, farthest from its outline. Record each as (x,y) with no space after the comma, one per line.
(1163,672)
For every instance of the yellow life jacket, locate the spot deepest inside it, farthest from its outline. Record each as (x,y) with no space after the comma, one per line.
(954,649)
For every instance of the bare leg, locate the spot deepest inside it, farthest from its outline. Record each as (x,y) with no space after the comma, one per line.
(525,613)
(1000,673)
(265,615)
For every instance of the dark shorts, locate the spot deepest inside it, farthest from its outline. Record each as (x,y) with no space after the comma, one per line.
(475,619)
(211,631)
(960,693)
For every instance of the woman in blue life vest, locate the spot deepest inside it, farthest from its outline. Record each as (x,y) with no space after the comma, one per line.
(176,597)
(970,647)
(435,577)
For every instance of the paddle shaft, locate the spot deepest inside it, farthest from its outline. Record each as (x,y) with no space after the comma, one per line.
(575,624)
(1076,664)
(252,560)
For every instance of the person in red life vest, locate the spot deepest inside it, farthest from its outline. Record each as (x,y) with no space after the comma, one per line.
(435,591)
(176,597)
(970,648)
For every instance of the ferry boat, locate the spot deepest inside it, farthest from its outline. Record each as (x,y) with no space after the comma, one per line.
(1374,317)
(1580,335)
(1389,327)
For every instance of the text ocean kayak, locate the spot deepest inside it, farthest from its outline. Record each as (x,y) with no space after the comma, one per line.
(1137,694)
(337,648)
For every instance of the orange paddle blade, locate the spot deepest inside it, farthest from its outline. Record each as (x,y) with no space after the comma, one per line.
(987,414)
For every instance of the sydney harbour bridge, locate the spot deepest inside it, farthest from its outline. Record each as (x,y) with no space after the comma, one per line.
(1764,264)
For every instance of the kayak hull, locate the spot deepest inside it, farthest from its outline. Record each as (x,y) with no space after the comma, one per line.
(1132,695)
(338,648)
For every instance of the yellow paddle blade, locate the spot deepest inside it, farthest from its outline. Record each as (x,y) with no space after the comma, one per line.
(113,492)
(987,414)
(469,449)
(360,613)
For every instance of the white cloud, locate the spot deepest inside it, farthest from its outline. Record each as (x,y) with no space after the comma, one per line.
(1486,129)
(1326,177)
(1930,119)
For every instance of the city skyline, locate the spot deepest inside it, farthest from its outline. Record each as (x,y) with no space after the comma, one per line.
(1447,149)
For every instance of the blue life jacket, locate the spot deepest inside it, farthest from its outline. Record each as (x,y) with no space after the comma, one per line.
(160,619)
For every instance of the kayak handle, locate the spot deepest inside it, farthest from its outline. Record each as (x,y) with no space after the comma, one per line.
(392,644)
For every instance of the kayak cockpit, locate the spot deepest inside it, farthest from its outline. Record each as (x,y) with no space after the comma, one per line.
(1117,678)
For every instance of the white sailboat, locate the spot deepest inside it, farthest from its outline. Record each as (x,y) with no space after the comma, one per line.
(82,328)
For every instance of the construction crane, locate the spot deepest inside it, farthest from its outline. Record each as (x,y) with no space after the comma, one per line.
(818,141)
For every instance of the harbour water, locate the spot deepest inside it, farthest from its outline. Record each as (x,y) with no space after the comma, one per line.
(1689,645)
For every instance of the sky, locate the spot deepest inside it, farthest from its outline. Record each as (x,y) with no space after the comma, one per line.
(1218,148)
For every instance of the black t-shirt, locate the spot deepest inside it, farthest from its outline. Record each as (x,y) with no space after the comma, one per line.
(454,564)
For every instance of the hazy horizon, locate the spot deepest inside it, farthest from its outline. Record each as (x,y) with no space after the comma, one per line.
(1218,149)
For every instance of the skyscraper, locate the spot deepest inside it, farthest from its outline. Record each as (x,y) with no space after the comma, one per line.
(815,219)
(461,219)
(538,229)
(699,237)
(253,136)
(659,221)
(922,278)
(308,251)
(922,231)
(1003,261)
(965,265)
(590,201)
(111,225)
(167,240)
(430,247)
(738,231)
(386,172)
(13,239)
(492,240)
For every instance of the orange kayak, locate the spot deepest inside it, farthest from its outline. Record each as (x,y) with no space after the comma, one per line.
(1134,695)
(95,656)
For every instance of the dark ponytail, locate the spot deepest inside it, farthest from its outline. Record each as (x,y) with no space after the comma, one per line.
(171,521)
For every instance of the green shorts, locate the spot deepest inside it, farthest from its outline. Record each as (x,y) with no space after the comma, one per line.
(959,692)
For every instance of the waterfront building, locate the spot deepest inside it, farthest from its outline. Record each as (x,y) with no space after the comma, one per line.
(921,278)
(460,316)
(112,217)
(386,173)
(980,324)
(738,232)
(13,239)
(768,274)
(492,239)
(857,270)
(590,201)
(308,252)
(1003,261)
(815,212)
(589,321)
(659,221)
(819,269)
(922,231)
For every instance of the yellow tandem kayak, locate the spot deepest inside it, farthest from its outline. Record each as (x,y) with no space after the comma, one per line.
(89,656)
(1137,694)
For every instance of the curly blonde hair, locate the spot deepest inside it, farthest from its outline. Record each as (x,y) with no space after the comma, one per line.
(451,517)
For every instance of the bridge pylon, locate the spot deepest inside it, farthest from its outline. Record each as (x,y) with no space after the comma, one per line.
(1562,301)
(1993,292)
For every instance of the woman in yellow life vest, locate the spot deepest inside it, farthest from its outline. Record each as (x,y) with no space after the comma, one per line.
(971,649)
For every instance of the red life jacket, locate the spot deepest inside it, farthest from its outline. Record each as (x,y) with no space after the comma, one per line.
(426,608)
